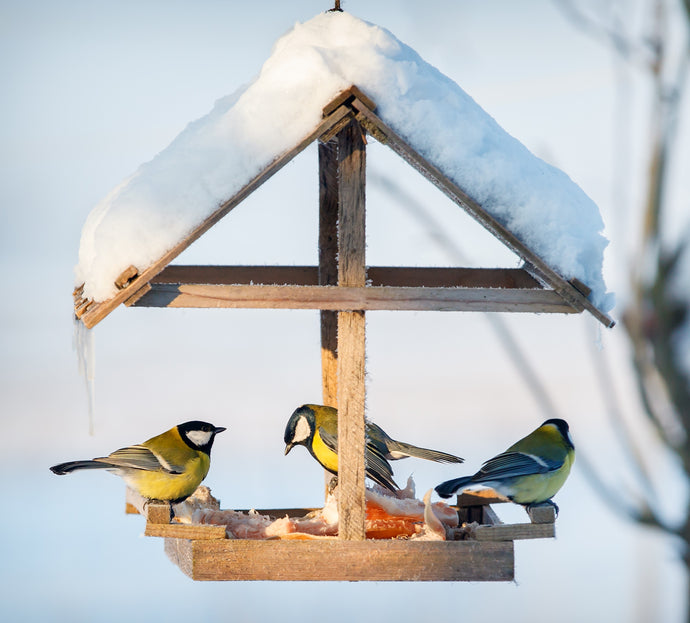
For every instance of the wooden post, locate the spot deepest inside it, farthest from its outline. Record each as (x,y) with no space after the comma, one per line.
(351,333)
(328,266)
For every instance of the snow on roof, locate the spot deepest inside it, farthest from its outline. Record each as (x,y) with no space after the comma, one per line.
(215,156)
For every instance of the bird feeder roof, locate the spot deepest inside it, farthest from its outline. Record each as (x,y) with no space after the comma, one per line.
(301,95)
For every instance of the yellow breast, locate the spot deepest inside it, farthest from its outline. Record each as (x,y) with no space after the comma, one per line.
(323,454)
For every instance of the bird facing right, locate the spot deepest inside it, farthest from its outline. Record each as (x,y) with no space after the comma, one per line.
(530,472)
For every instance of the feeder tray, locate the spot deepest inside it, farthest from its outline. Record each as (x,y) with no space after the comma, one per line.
(344,288)
(481,549)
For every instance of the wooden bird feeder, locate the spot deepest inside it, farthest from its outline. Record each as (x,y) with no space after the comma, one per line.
(344,289)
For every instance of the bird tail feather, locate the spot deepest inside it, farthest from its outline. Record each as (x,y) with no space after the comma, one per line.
(449,487)
(71,466)
(407,449)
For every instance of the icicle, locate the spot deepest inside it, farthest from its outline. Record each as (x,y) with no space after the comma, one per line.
(82,343)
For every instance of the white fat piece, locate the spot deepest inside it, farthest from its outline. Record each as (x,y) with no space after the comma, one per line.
(199,437)
(302,430)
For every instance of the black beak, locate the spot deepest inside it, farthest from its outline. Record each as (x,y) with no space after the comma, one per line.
(288,447)
(219,429)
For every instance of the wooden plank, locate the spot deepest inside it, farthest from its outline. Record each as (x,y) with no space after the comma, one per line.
(340,298)
(338,560)
(351,393)
(402,276)
(535,264)
(514,532)
(184,531)
(351,206)
(351,333)
(100,310)
(328,268)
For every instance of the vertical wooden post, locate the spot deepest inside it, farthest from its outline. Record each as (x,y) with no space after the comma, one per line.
(328,266)
(351,332)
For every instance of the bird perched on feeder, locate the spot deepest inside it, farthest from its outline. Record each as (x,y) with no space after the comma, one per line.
(530,472)
(168,467)
(316,428)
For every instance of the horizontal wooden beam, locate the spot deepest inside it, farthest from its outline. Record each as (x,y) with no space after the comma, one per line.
(401,276)
(339,298)
(340,560)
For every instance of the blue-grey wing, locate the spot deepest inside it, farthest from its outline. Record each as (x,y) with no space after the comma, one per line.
(513,464)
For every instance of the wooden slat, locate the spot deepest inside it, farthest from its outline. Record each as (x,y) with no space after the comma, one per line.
(402,276)
(184,531)
(514,532)
(540,268)
(355,298)
(100,310)
(339,560)
(351,334)
(137,295)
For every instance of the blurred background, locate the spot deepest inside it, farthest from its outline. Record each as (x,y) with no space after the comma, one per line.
(93,89)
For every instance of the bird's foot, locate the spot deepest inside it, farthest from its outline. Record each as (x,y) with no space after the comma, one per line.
(332,485)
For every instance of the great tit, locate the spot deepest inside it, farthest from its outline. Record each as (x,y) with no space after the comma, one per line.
(168,467)
(530,472)
(316,428)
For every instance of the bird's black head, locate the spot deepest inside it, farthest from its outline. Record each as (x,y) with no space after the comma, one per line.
(300,428)
(563,428)
(199,435)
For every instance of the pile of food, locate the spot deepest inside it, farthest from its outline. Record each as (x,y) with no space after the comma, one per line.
(388,516)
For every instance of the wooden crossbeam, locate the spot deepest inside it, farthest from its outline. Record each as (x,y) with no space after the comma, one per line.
(340,298)
(401,276)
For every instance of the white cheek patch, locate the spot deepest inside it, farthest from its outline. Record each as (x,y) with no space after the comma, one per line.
(199,437)
(302,430)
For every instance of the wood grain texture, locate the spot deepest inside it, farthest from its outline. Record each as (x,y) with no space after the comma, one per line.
(339,298)
(328,267)
(351,393)
(184,531)
(338,560)
(351,206)
(514,532)
(326,273)
(351,333)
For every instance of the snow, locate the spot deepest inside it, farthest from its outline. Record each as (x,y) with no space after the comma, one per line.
(166,198)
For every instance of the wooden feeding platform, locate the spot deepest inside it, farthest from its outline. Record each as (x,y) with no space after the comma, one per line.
(344,289)
(481,549)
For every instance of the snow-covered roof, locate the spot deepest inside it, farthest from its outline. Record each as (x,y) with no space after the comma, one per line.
(143,218)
